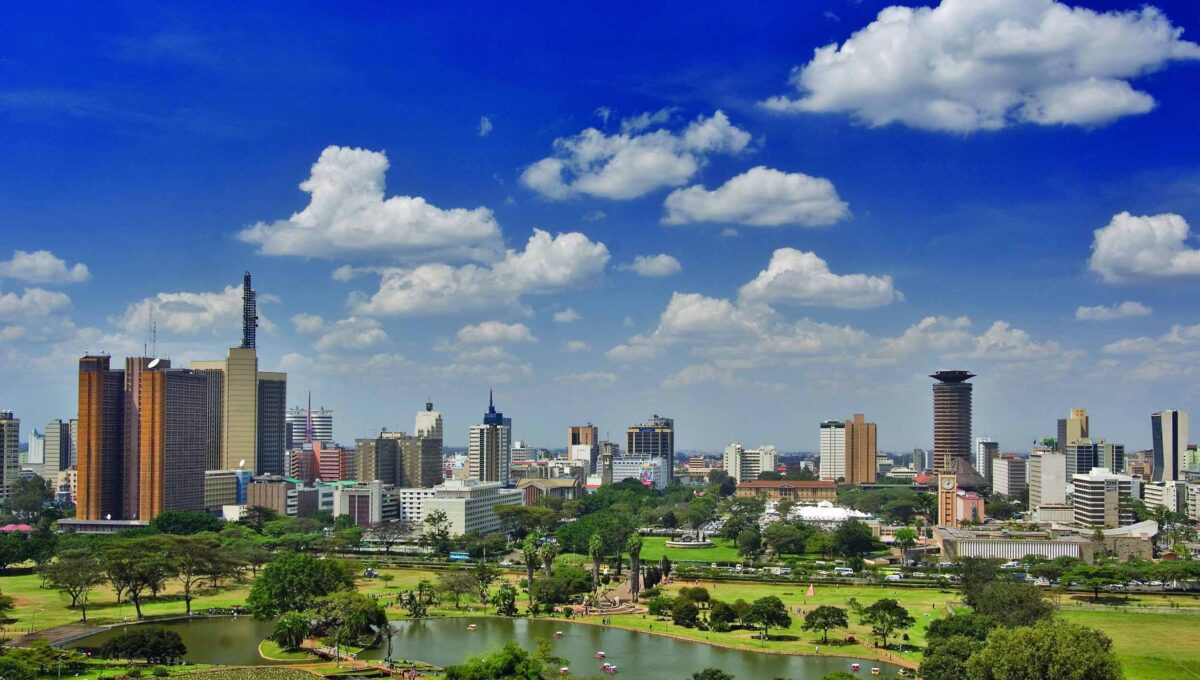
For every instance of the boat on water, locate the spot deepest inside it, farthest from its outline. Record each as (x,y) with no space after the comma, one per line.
(472,627)
(599,655)
(564,671)
(855,667)
(875,671)
(558,634)
(608,668)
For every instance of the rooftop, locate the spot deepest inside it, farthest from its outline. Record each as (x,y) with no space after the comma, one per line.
(788,484)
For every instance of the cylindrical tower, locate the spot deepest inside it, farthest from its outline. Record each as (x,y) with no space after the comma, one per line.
(951,417)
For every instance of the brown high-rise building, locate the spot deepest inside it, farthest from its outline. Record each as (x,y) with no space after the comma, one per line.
(420,463)
(100,452)
(951,418)
(134,366)
(585,435)
(860,451)
(173,420)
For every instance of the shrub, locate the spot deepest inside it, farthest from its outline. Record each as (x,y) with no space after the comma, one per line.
(159,672)
(133,673)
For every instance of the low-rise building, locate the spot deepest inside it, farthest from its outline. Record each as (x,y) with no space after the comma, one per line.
(567,488)
(220,488)
(1057,513)
(470,504)
(1170,495)
(800,492)
(366,503)
(650,471)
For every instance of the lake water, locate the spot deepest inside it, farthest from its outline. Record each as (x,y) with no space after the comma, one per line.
(443,642)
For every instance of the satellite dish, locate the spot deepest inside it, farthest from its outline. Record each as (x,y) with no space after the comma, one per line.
(154,363)
(241,463)
(108,516)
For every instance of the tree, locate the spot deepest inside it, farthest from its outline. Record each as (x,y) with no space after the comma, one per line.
(664,566)
(712,674)
(825,617)
(684,613)
(257,516)
(388,534)
(1012,603)
(185,522)
(749,543)
(853,538)
(946,659)
(351,615)
(456,584)
(1050,649)
(485,575)
(510,662)
(294,582)
(595,551)
(743,514)
(1094,577)
(27,497)
(659,605)
(136,565)
(634,546)
(769,612)
(291,630)
(906,539)
(12,668)
(196,560)
(885,617)
(549,553)
(506,600)
(77,574)
(721,616)
(976,573)
(529,552)
(787,537)
(742,609)
(436,536)
(155,645)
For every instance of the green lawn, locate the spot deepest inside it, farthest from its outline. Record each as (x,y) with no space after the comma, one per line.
(654,547)
(1150,646)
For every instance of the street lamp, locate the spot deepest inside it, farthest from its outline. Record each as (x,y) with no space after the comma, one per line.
(33,621)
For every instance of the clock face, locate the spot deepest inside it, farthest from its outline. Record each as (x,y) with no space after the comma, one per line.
(947,484)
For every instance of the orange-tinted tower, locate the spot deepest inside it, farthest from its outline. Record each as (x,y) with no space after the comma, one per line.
(100,452)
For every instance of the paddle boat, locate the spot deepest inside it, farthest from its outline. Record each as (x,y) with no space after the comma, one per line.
(599,655)
(472,627)
(855,667)
(564,671)
(558,634)
(875,671)
(608,668)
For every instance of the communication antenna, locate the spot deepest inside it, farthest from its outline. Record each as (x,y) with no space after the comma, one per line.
(153,333)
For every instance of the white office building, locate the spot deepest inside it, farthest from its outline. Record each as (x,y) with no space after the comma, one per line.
(428,423)
(1047,479)
(1169,495)
(833,450)
(744,465)
(470,505)
(986,449)
(36,455)
(410,504)
(1009,476)
(296,422)
(584,455)
(649,471)
(1101,498)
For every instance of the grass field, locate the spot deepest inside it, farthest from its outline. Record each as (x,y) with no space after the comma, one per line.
(1150,646)
(654,547)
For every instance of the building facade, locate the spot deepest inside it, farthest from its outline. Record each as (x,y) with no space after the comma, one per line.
(744,465)
(172,417)
(1047,479)
(800,492)
(101,445)
(985,451)
(489,447)
(272,441)
(1169,430)
(10,451)
(1010,475)
(833,450)
(1073,428)
(428,423)
(58,447)
(1102,498)
(951,417)
(861,452)
(470,504)
(654,438)
(296,422)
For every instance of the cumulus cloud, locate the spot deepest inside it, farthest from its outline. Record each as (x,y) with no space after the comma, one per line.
(495,333)
(31,303)
(189,313)
(307,323)
(575,346)
(567,315)
(804,278)
(1143,247)
(485,126)
(1173,355)
(654,266)
(586,378)
(633,162)
(352,333)
(1002,342)
(970,65)
(1124,310)
(547,264)
(646,120)
(698,374)
(349,216)
(42,266)
(760,197)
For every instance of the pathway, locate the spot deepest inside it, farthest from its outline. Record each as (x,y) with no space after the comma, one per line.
(57,635)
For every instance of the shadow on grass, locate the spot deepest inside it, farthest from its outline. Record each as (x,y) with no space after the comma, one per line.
(1108,600)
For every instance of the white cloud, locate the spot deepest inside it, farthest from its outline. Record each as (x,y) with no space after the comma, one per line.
(307,323)
(41,266)
(548,264)
(575,346)
(971,65)
(804,278)
(191,313)
(32,303)
(495,333)
(1130,248)
(647,120)
(485,126)
(1140,345)
(729,232)
(698,374)
(654,266)
(1171,356)
(760,197)
(1002,342)
(352,333)
(627,322)
(586,378)
(567,315)
(348,216)
(628,165)
(1124,310)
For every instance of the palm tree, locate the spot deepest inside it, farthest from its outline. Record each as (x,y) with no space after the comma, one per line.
(549,552)
(291,630)
(634,546)
(595,549)
(529,552)
(906,539)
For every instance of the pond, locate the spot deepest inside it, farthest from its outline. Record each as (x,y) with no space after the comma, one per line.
(443,642)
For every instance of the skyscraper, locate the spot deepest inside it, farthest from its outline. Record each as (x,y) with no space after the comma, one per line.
(985,451)
(101,447)
(272,402)
(173,415)
(582,435)
(58,447)
(860,450)
(654,438)
(951,418)
(833,450)
(134,366)
(428,423)
(1072,428)
(1047,479)
(300,420)
(36,455)
(919,460)
(489,447)
(1170,432)
(10,450)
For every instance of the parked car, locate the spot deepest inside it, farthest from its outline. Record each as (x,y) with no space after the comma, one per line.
(892,577)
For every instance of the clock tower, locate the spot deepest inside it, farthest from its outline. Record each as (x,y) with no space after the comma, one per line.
(947,500)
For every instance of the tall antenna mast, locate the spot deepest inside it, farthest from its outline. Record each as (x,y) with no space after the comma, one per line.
(308,419)
(153,333)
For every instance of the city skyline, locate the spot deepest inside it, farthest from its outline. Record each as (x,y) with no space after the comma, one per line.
(790,256)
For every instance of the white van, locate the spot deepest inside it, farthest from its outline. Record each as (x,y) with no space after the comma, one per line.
(843,571)
(892,577)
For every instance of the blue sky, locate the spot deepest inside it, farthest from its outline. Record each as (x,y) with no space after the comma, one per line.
(749,219)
